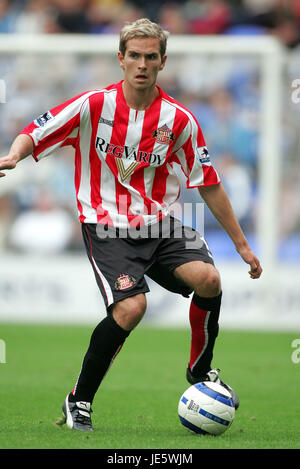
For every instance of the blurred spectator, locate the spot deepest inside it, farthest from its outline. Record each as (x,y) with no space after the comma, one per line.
(287,29)
(72,15)
(33,18)
(107,19)
(152,8)
(7,17)
(207,16)
(256,7)
(104,13)
(45,227)
(295,5)
(172,19)
(228,128)
(280,18)
(289,210)
(238,183)
(7,216)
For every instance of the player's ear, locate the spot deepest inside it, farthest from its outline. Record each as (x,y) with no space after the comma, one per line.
(121,59)
(163,62)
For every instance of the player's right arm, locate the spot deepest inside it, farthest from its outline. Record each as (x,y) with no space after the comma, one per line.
(53,129)
(20,149)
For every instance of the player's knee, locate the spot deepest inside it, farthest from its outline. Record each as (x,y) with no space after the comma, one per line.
(128,312)
(214,284)
(210,286)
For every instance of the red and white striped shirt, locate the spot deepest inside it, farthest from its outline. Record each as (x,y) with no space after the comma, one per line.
(124,158)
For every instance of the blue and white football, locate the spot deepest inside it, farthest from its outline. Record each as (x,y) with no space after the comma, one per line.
(206,408)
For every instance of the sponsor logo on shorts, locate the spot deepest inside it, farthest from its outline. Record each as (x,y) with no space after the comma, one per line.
(124,281)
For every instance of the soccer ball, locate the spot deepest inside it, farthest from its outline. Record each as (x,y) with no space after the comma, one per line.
(206,408)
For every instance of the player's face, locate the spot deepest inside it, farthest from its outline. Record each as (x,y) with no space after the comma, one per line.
(142,62)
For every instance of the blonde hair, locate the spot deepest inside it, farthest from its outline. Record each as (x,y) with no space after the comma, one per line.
(143,28)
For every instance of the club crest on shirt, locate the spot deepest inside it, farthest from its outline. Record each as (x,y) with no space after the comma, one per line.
(124,281)
(163,135)
(203,156)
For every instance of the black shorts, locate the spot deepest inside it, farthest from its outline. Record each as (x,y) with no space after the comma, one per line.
(120,263)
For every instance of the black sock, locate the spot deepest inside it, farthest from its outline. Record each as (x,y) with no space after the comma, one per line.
(204,321)
(106,341)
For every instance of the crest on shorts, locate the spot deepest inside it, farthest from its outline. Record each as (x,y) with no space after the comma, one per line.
(124,281)
(163,135)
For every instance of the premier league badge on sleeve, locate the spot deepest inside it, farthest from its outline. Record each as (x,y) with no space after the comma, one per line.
(203,156)
(43,119)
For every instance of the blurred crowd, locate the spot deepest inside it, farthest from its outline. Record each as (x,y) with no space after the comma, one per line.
(226,100)
(278,17)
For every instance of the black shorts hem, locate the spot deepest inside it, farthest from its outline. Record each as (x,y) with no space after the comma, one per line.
(186,261)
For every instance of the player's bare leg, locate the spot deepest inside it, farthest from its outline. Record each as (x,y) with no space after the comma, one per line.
(202,277)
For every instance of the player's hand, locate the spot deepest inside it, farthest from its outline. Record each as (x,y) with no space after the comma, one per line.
(7,162)
(250,258)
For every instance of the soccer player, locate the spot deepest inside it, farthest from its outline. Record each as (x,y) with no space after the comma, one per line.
(127,138)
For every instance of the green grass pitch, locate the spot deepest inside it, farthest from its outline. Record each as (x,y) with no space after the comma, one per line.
(136,407)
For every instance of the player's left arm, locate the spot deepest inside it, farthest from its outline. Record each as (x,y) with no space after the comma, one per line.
(21,147)
(219,204)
